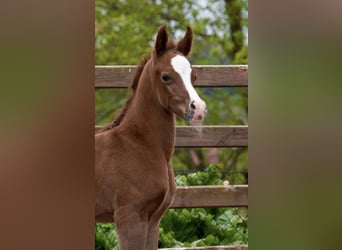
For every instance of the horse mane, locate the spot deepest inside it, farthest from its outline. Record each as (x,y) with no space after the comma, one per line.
(171,45)
(119,117)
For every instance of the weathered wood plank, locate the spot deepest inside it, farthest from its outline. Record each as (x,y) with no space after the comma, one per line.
(210,136)
(114,76)
(232,247)
(222,75)
(211,196)
(210,75)
(207,197)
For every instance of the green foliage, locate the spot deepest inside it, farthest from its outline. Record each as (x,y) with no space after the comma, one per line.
(211,176)
(105,237)
(203,227)
(124,29)
(108,102)
(191,227)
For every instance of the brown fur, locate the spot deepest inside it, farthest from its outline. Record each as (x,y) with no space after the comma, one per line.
(134,181)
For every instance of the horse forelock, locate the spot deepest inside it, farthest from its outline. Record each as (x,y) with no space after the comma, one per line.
(171,44)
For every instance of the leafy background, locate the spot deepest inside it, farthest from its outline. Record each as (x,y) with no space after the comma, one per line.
(124,32)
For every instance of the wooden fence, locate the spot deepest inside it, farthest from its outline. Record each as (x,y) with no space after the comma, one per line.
(187,136)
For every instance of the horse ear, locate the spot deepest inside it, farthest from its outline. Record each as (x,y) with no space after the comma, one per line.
(161,41)
(184,45)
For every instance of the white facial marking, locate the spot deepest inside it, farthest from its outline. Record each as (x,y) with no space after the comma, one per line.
(182,66)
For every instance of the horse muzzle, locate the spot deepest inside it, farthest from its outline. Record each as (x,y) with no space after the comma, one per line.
(196,112)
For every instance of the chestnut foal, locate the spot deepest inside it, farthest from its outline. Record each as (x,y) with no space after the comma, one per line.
(134,181)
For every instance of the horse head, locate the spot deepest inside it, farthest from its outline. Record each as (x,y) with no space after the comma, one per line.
(173,77)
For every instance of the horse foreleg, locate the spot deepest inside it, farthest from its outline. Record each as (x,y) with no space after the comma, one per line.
(153,228)
(132,229)
(152,236)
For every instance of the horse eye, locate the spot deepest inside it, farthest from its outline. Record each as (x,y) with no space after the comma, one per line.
(166,78)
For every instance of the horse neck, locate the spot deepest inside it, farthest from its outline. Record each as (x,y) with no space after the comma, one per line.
(147,119)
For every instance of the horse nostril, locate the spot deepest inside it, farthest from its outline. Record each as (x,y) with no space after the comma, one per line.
(192,105)
(199,117)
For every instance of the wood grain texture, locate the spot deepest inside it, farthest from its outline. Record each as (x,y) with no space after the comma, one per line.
(232,247)
(212,136)
(209,136)
(207,76)
(208,197)
(211,196)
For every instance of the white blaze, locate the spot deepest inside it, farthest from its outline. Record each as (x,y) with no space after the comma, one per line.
(182,66)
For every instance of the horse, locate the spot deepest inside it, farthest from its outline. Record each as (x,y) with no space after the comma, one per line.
(134,180)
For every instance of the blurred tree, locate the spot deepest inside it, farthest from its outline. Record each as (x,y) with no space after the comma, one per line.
(234,10)
(124,29)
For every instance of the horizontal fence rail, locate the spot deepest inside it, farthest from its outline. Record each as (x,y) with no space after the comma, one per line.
(209,136)
(212,136)
(207,76)
(236,247)
(211,196)
(207,197)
